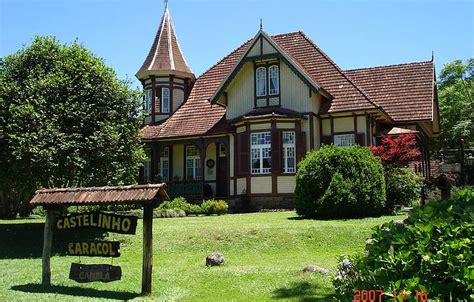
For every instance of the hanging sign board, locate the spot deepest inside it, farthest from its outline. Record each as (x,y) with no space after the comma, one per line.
(123,224)
(94,248)
(83,273)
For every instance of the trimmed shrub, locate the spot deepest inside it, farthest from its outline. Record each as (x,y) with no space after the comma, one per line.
(214,207)
(182,204)
(403,187)
(336,182)
(431,250)
(168,213)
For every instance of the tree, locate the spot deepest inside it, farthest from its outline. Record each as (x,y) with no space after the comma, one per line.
(66,120)
(456,102)
(397,151)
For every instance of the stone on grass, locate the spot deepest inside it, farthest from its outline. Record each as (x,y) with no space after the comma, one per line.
(215,259)
(316,269)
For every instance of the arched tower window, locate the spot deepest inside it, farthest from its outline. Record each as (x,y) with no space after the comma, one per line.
(165,100)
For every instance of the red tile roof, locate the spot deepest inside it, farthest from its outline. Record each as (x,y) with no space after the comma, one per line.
(197,116)
(405,91)
(165,53)
(352,90)
(135,194)
(347,95)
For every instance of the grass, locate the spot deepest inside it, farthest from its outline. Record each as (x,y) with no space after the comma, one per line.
(265,254)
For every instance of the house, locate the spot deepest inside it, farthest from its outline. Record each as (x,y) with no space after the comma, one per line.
(239,130)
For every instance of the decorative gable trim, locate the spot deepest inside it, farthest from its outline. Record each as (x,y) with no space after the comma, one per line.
(280,54)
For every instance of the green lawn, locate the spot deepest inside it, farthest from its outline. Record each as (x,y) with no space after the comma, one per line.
(264,252)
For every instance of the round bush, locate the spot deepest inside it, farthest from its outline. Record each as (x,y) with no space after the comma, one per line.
(431,250)
(403,187)
(336,182)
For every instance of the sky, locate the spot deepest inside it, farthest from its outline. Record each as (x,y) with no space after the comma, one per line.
(354,34)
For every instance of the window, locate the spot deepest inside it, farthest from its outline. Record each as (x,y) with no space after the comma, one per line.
(261,81)
(289,158)
(147,170)
(273,80)
(344,140)
(148,100)
(261,152)
(164,167)
(165,100)
(193,163)
(221,150)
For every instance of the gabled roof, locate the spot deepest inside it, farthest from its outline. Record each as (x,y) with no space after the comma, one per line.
(405,91)
(349,90)
(133,194)
(165,56)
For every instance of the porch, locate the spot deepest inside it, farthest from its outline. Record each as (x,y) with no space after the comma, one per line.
(193,168)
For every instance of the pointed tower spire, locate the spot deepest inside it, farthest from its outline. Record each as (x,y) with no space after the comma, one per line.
(165,56)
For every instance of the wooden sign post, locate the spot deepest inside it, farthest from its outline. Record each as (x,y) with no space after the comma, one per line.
(147,248)
(54,199)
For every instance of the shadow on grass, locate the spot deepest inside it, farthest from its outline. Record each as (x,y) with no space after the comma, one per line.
(302,291)
(25,240)
(74,291)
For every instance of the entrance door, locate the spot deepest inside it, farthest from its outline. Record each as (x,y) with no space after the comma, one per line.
(221,172)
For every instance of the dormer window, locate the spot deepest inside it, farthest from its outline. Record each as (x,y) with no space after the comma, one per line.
(267,84)
(261,81)
(165,100)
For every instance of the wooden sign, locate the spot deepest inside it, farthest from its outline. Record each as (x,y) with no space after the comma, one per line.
(83,273)
(123,224)
(94,248)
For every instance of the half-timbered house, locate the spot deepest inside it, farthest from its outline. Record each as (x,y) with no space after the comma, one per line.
(239,130)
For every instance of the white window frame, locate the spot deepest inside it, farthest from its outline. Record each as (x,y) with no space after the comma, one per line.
(344,140)
(260,149)
(261,79)
(148,100)
(274,74)
(165,100)
(147,170)
(164,167)
(289,151)
(193,163)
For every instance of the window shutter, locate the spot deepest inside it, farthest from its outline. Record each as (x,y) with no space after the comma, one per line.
(300,146)
(276,151)
(326,139)
(360,139)
(243,160)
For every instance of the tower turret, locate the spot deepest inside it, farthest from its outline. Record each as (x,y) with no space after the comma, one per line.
(165,74)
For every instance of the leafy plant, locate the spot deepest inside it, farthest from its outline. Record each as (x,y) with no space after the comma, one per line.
(397,151)
(214,207)
(403,187)
(66,120)
(182,204)
(431,250)
(336,182)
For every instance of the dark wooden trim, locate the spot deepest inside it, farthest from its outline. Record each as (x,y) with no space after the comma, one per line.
(343,132)
(367,131)
(248,187)
(311,132)
(234,133)
(355,127)
(274,175)
(320,121)
(332,129)
(153,96)
(171,88)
